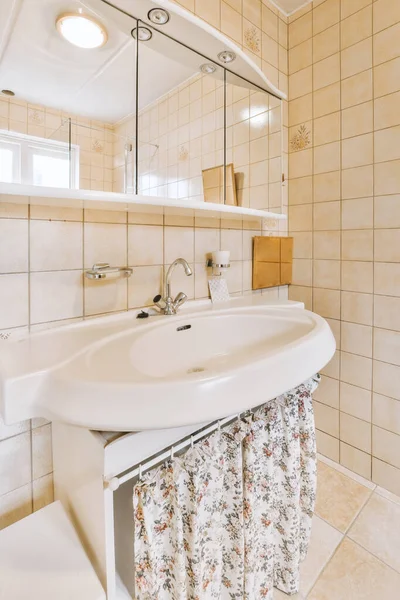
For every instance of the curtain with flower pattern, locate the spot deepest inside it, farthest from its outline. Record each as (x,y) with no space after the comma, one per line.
(231,518)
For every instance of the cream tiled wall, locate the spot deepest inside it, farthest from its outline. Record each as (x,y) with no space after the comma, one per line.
(44,251)
(344,213)
(94,138)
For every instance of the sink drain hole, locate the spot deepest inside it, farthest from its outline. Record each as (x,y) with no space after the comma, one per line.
(195,370)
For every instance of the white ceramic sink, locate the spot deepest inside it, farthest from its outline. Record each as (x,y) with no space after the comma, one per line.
(123,374)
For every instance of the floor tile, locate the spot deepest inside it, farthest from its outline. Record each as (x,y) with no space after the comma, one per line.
(339,498)
(377,529)
(355,574)
(324,541)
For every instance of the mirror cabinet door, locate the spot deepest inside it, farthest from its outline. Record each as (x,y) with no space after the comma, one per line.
(138,114)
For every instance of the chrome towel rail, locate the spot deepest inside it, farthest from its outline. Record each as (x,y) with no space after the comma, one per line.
(103,270)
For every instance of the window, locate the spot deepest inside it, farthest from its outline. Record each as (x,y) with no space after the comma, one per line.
(37,161)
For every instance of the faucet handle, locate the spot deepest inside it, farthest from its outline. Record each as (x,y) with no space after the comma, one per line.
(159,301)
(180,299)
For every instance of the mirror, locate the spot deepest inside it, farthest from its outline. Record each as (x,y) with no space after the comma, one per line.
(147,116)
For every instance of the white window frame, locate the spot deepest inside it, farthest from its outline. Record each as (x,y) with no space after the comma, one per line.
(22,146)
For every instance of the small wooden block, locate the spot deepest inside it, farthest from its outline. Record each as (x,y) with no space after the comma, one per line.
(267,249)
(286,249)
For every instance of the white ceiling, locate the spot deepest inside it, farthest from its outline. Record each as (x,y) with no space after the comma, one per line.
(289,6)
(42,68)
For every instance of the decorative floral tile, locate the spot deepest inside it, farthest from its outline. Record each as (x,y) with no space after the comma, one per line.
(301,139)
(252,39)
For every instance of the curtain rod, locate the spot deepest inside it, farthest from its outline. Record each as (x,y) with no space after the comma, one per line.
(138,470)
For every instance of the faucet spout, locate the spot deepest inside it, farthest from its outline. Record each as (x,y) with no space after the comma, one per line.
(167,304)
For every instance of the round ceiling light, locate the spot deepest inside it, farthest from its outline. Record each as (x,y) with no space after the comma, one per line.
(144,34)
(8,92)
(226,56)
(208,68)
(158,16)
(81,30)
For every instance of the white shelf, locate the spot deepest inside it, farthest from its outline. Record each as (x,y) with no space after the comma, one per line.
(43,196)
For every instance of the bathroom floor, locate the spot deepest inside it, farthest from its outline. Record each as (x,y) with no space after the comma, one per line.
(355,546)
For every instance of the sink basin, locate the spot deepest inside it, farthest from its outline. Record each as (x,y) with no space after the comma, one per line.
(198,366)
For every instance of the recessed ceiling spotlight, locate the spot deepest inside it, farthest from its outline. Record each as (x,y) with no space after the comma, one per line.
(144,34)
(81,30)
(208,68)
(226,56)
(159,16)
(8,92)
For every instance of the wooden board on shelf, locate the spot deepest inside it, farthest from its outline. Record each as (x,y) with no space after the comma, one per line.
(272,261)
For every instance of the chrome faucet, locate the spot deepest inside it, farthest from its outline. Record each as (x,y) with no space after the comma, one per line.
(167,305)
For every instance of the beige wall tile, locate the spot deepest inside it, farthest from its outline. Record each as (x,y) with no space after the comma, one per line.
(386,113)
(326,419)
(300,83)
(327,216)
(42,457)
(357,89)
(300,57)
(387,178)
(358,151)
(327,158)
(327,186)
(357,276)
(328,392)
(386,13)
(386,377)
(326,274)
(387,312)
(386,446)
(358,245)
(387,279)
(387,346)
(301,191)
(355,460)
(301,294)
(209,10)
(326,100)
(355,401)
(300,30)
(355,432)
(300,110)
(13,245)
(357,339)
(326,72)
(14,300)
(357,120)
(357,58)
(104,242)
(357,308)
(356,370)
(358,182)
(387,44)
(15,505)
(143,285)
(302,272)
(327,245)
(386,144)
(326,43)
(387,245)
(327,129)
(387,211)
(325,15)
(15,462)
(358,213)
(56,245)
(300,163)
(386,413)
(56,295)
(357,27)
(327,445)
(145,245)
(386,476)
(327,303)
(101,297)
(387,78)
(300,217)
(348,7)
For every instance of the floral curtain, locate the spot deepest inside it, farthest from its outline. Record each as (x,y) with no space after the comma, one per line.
(231,518)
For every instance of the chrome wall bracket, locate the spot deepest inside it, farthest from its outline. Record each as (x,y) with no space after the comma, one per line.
(103,270)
